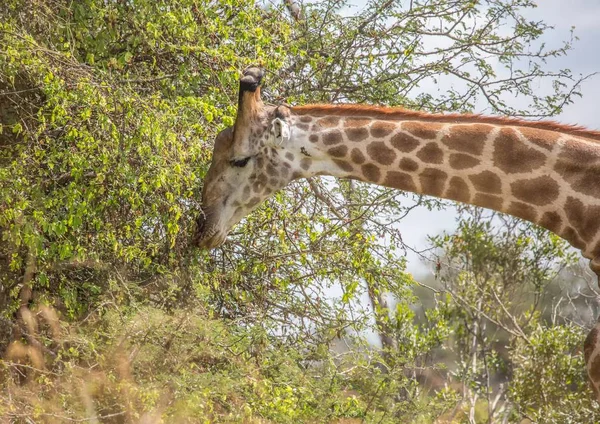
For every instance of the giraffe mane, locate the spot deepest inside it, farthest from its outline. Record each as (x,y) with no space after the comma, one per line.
(383,112)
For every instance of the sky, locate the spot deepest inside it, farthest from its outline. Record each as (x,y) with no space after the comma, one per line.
(584,59)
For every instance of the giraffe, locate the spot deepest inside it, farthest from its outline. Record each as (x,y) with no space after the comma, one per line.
(543,172)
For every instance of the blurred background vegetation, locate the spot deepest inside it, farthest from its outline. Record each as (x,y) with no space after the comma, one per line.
(108,110)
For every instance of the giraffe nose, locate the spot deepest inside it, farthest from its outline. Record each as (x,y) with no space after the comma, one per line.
(200,223)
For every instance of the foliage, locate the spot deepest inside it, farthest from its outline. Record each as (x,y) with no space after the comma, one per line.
(495,276)
(108,110)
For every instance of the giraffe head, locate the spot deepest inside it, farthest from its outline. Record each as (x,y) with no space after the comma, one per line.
(249,163)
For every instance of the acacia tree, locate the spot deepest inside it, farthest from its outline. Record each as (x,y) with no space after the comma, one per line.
(496,282)
(108,112)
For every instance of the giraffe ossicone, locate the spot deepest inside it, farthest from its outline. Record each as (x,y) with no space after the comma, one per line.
(543,172)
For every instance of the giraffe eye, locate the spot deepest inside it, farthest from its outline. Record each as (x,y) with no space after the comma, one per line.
(240,163)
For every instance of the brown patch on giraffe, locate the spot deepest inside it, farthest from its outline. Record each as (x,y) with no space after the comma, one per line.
(433,181)
(380,153)
(305,119)
(511,155)
(284,172)
(537,191)
(586,220)
(357,156)
(371,172)
(313,138)
(257,187)
(579,152)
(574,209)
(523,210)
(338,151)
(272,171)
(356,122)
(260,162)
(303,127)
(343,165)
(431,153)
(590,344)
(332,137)
(404,142)
(296,175)
(571,235)
(422,130)
(488,201)
(551,221)
(289,156)
(582,177)
(569,170)
(305,163)
(467,138)
(594,368)
(273,182)
(382,128)
(328,122)
(246,191)
(487,182)
(541,138)
(357,134)
(458,190)
(400,180)
(463,161)
(409,165)
(262,178)
(576,169)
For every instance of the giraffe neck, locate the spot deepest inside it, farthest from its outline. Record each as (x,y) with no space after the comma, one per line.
(534,172)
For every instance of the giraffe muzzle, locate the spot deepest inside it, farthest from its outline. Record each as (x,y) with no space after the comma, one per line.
(208,233)
(210,242)
(201,237)
(200,223)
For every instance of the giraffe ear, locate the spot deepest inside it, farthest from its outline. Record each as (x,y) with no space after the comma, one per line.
(280,132)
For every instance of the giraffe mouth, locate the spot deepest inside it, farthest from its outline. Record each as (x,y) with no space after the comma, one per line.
(210,241)
(208,235)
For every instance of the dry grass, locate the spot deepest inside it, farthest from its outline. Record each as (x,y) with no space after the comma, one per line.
(41,384)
